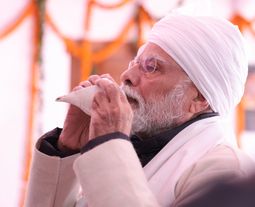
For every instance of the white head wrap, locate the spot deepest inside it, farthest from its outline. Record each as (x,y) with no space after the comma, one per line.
(211,51)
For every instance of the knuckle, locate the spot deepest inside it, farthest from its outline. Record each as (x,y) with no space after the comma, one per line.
(85,83)
(93,78)
(106,75)
(98,94)
(110,86)
(115,111)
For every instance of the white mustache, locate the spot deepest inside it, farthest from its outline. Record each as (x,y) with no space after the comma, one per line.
(132,93)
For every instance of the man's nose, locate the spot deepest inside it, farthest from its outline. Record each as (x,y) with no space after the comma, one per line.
(131,76)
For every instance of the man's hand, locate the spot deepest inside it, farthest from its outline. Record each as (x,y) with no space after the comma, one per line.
(75,132)
(111,111)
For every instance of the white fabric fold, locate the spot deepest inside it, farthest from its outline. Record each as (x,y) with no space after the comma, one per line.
(211,51)
(187,147)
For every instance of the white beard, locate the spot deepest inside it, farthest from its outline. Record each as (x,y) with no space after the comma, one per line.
(160,112)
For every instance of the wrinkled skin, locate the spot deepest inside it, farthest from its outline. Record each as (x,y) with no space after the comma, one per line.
(111,112)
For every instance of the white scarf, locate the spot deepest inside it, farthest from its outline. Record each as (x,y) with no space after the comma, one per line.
(186,148)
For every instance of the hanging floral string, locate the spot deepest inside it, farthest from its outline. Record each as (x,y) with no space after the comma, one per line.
(142,18)
(243,23)
(37,25)
(84,52)
(110,6)
(30,10)
(27,11)
(36,9)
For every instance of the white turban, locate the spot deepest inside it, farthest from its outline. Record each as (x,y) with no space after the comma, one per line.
(211,51)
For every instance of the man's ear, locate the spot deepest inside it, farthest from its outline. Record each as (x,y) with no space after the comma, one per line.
(198,104)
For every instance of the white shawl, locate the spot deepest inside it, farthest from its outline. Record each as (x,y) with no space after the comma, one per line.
(186,148)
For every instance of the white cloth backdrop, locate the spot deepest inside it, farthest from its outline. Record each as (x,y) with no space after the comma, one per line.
(15,52)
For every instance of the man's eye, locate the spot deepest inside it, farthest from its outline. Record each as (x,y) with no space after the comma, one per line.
(150,65)
(150,68)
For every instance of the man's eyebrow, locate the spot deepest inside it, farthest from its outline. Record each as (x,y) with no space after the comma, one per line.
(160,59)
(157,57)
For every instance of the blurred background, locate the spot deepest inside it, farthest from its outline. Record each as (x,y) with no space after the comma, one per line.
(48,46)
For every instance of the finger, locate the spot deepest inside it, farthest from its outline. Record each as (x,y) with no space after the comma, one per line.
(108,76)
(101,98)
(101,104)
(76,88)
(81,85)
(123,96)
(85,83)
(111,89)
(93,79)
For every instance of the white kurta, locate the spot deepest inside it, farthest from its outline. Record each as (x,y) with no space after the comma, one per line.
(111,175)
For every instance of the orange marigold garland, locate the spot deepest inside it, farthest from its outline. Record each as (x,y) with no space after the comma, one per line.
(12,26)
(37,18)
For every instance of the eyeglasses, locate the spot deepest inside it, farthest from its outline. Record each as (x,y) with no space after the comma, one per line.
(148,65)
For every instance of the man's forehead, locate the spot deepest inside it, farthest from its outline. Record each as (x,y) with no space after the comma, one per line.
(149,50)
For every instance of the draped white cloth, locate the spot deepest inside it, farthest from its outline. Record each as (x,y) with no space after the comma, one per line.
(187,147)
(165,170)
(211,51)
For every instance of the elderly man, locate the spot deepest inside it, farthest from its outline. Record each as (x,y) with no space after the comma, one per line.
(161,142)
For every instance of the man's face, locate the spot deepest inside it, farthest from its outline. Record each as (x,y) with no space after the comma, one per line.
(158,90)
